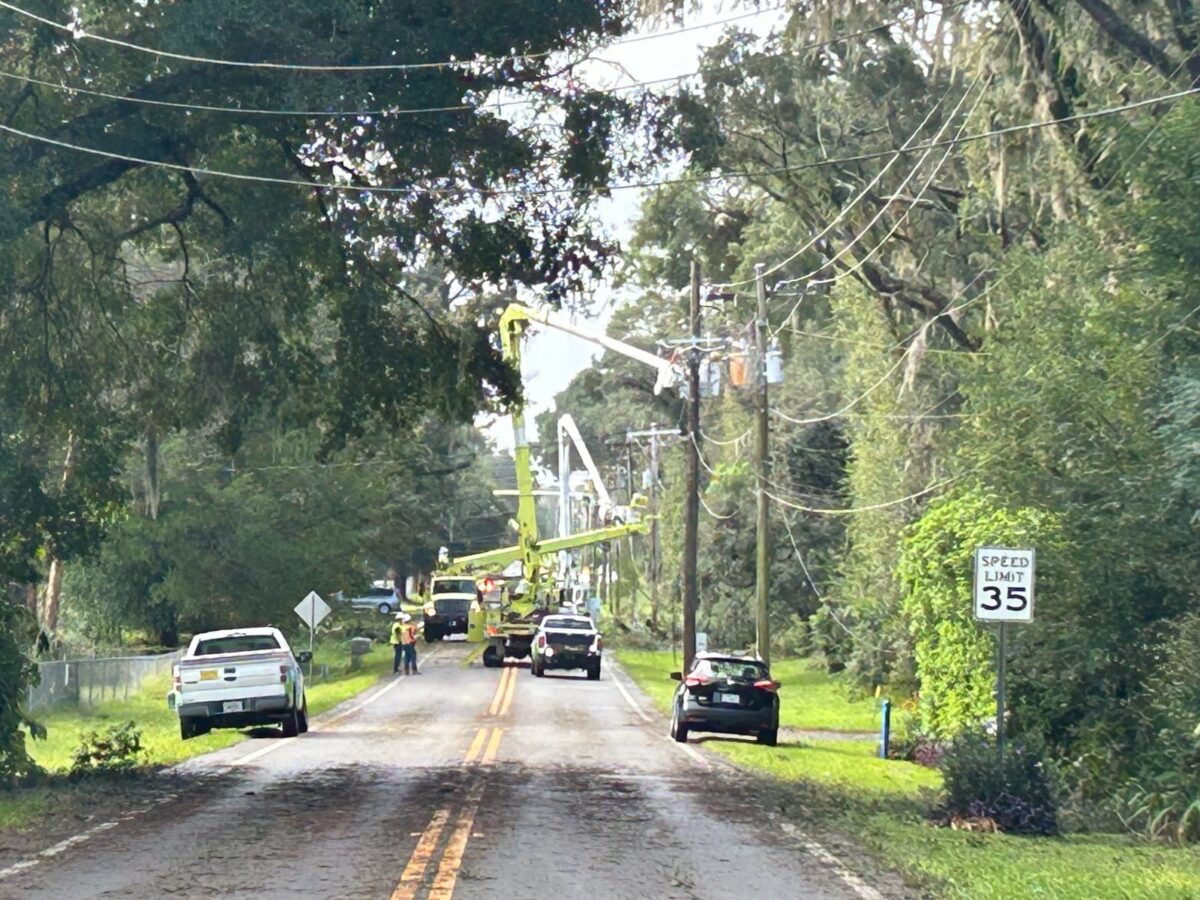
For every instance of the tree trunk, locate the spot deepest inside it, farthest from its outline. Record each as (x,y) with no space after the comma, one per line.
(150,449)
(1128,37)
(53,591)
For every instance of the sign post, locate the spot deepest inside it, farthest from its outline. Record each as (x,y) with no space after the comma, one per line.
(1003,593)
(312,610)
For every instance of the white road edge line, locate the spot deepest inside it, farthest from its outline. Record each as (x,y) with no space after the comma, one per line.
(852,880)
(812,847)
(689,751)
(645,716)
(67,843)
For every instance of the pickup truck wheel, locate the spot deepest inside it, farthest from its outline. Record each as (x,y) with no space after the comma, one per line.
(291,724)
(304,717)
(384,608)
(593,672)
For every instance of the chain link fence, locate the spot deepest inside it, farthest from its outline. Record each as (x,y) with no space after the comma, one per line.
(86,682)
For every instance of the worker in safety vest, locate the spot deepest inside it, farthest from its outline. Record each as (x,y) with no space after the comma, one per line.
(395,635)
(408,640)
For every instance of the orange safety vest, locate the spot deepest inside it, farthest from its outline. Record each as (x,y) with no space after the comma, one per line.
(408,635)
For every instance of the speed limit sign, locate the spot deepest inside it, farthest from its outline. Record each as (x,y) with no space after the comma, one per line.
(1004,584)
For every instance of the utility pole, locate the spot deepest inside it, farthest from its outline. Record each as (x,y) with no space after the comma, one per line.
(691,507)
(762,556)
(654,554)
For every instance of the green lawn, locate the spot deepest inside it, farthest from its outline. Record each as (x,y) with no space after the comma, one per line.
(884,803)
(160,726)
(849,765)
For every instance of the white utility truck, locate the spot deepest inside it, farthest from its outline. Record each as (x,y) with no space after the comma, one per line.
(238,678)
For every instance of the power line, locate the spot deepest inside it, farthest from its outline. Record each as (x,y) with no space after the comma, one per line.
(717,516)
(860,509)
(730,443)
(858,264)
(461,107)
(854,201)
(862,261)
(79,34)
(77,31)
(552,191)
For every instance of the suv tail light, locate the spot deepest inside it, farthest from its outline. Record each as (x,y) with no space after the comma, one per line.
(176,679)
(599,645)
(693,681)
(542,641)
(766,685)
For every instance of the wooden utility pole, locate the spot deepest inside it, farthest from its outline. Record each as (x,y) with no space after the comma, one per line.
(691,507)
(655,561)
(762,556)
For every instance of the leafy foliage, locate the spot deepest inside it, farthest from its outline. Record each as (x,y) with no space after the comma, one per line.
(1164,801)
(116,750)
(954,656)
(17,672)
(1016,795)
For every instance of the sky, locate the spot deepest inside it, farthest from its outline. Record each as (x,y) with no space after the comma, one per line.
(550,359)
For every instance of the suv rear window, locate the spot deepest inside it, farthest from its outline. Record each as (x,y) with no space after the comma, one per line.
(742,669)
(567,624)
(241,644)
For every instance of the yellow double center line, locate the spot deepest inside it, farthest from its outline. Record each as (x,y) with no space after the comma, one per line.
(503,698)
(483,749)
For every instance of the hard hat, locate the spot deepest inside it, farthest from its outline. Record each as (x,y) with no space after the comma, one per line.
(400,617)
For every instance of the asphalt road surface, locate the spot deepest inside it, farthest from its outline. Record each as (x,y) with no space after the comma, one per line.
(461,782)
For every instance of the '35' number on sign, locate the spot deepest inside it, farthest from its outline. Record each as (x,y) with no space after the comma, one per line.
(1016,597)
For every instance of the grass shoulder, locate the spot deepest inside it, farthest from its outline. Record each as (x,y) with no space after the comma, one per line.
(159,727)
(884,804)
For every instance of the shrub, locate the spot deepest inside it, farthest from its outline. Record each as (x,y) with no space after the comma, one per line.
(116,750)
(1164,802)
(1018,796)
(17,673)
(954,656)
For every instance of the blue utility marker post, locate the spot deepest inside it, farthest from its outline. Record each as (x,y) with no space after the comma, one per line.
(885,727)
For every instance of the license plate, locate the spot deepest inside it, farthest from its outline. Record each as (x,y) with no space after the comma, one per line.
(232,706)
(208,674)
(727,698)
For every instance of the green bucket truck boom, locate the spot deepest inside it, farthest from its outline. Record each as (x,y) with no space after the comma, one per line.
(507,628)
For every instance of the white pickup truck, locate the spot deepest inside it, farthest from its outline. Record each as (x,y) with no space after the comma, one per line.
(236,678)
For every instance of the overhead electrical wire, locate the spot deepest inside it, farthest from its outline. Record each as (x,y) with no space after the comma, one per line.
(80,34)
(829,227)
(860,509)
(730,443)
(854,201)
(862,261)
(240,110)
(552,191)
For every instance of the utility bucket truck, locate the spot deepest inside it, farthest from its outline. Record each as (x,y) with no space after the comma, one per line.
(507,625)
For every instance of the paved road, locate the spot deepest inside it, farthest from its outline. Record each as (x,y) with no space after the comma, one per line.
(464,782)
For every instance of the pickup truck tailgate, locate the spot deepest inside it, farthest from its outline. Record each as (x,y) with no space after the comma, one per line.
(233,675)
